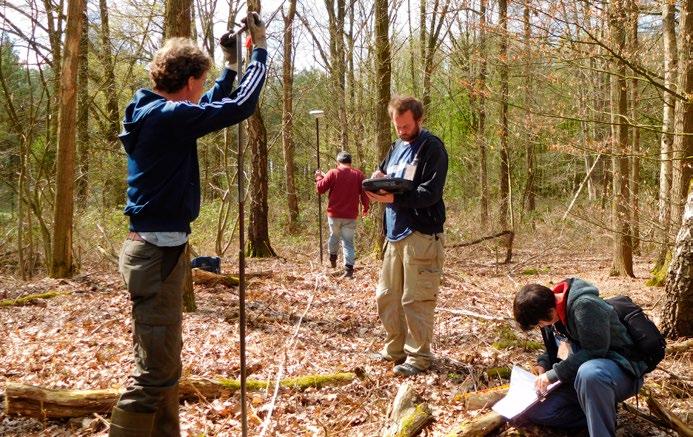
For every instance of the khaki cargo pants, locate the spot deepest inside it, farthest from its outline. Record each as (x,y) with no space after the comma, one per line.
(154,277)
(406,296)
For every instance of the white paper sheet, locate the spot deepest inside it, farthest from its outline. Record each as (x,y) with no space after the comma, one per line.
(521,394)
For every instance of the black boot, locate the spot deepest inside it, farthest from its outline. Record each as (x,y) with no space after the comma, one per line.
(128,424)
(348,271)
(333,260)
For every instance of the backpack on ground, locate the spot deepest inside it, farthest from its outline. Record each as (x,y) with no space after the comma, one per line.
(649,342)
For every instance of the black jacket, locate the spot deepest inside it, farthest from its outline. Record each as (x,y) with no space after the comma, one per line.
(426,200)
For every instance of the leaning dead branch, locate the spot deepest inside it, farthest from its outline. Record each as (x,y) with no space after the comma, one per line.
(672,420)
(506,241)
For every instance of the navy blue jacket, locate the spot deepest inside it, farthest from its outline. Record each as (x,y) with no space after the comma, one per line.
(424,205)
(160,138)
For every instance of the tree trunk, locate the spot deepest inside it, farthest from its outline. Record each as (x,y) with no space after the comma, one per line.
(383,75)
(287,115)
(61,257)
(633,49)
(481,118)
(622,249)
(178,18)
(336,13)
(677,317)
(665,165)
(178,23)
(505,205)
(528,125)
(683,142)
(258,228)
(83,112)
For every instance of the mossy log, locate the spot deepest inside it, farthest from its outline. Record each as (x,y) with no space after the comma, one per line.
(29,298)
(479,426)
(408,414)
(476,400)
(39,402)
(204,277)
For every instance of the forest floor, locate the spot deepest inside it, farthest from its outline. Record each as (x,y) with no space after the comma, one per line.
(303,319)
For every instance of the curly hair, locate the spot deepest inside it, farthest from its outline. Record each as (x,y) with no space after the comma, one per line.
(175,63)
(401,104)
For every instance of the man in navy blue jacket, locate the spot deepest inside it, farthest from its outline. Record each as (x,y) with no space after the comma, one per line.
(407,290)
(161,128)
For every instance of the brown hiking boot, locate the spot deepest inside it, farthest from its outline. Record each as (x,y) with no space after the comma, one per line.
(333,260)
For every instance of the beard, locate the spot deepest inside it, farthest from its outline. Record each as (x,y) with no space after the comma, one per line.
(410,137)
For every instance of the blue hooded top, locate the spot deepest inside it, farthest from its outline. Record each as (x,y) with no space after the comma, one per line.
(160,139)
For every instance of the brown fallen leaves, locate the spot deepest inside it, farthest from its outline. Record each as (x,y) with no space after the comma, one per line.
(82,340)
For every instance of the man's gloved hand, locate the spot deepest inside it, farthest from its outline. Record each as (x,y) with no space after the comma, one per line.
(257,30)
(229,46)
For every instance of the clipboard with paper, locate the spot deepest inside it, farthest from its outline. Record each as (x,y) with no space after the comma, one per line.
(521,394)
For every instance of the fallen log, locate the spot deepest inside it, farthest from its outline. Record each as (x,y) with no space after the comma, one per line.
(479,426)
(39,402)
(29,298)
(476,400)
(408,415)
(204,277)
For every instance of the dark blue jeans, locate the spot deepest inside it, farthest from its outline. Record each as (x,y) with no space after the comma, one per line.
(590,401)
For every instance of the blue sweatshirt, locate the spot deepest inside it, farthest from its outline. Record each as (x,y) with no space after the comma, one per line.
(160,139)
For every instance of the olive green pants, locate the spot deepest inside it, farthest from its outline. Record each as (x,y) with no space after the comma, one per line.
(154,277)
(406,295)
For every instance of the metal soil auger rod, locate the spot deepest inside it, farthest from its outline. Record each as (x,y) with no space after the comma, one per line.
(241,247)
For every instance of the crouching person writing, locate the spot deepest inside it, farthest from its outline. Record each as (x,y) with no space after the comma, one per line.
(586,349)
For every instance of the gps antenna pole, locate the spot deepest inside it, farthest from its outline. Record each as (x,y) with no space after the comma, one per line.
(241,246)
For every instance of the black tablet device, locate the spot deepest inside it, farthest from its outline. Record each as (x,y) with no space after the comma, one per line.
(391,185)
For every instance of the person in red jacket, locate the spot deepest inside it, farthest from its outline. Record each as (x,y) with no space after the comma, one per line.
(344,185)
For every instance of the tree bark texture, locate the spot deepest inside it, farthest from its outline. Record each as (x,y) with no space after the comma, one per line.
(258,228)
(622,262)
(505,205)
(336,13)
(83,112)
(481,117)
(61,257)
(683,141)
(288,114)
(633,50)
(667,140)
(383,71)
(528,196)
(178,19)
(677,317)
